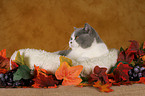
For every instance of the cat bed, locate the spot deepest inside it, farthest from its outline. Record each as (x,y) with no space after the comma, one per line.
(50,61)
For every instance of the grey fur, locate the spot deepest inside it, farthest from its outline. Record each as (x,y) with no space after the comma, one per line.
(64,52)
(86,36)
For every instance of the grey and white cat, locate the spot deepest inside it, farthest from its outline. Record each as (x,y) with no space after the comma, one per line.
(87,49)
(85,43)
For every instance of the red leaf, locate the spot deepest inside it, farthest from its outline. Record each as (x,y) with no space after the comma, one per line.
(3,53)
(3,71)
(43,81)
(124,56)
(4,63)
(133,48)
(142,80)
(128,55)
(121,72)
(99,74)
(14,65)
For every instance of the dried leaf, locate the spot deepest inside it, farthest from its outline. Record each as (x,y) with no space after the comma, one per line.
(99,74)
(103,88)
(129,54)
(38,70)
(121,72)
(14,65)
(65,59)
(133,48)
(3,71)
(45,81)
(68,74)
(3,53)
(4,63)
(142,80)
(19,59)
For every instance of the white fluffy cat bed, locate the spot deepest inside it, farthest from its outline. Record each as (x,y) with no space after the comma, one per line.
(50,61)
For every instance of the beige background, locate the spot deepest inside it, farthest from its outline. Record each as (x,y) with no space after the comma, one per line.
(48,24)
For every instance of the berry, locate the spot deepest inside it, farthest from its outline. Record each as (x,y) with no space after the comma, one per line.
(136,73)
(7,80)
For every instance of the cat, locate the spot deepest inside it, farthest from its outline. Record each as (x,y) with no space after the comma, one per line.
(87,49)
(85,43)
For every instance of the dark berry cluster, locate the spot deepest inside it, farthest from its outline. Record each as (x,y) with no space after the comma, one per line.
(136,73)
(7,80)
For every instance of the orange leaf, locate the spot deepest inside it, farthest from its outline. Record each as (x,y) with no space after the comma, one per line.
(69,74)
(103,88)
(14,65)
(98,84)
(3,53)
(38,70)
(3,71)
(106,88)
(142,80)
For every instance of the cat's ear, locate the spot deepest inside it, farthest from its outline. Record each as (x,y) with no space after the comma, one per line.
(75,28)
(87,27)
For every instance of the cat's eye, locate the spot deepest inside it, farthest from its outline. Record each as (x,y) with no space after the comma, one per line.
(76,37)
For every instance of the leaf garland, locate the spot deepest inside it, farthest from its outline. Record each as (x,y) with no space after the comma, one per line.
(67,74)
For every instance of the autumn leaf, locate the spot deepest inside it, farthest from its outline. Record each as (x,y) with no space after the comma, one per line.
(4,63)
(3,71)
(45,81)
(14,65)
(99,74)
(23,71)
(126,57)
(121,72)
(142,80)
(68,74)
(65,59)
(131,53)
(133,48)
(38,70)
(19,59)
(3,53)
(103,87)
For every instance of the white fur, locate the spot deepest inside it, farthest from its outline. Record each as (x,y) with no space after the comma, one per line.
(41,58)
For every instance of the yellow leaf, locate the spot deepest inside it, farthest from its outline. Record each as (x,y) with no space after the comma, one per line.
(65,59)
(19,58)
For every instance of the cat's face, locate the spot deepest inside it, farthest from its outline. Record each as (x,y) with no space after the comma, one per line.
(84,37)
